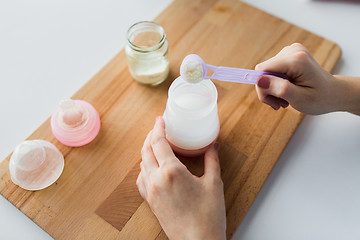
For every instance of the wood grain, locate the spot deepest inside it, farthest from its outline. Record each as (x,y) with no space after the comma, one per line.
(96,196)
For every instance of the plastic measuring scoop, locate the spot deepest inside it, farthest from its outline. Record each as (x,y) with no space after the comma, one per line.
(194,69)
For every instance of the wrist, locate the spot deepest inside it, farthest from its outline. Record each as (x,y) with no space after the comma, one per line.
(347,94)
(208,234)
(200,233)
(203,232)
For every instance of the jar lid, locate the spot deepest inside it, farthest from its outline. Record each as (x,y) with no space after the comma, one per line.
(35,164)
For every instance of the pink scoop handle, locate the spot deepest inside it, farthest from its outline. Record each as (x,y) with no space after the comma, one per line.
(238,75)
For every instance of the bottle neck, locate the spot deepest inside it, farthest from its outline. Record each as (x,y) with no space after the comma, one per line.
(188,100)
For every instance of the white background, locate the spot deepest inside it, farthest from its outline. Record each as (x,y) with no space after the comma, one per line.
(49,49)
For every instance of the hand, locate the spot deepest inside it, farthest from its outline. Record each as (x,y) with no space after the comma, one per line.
(310,89)
(187,206)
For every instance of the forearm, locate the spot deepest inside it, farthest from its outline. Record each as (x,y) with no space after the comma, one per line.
(349,94)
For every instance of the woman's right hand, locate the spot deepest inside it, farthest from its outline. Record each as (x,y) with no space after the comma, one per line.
(310,89)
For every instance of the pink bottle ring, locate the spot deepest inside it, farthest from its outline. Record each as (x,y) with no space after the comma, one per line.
(190,152)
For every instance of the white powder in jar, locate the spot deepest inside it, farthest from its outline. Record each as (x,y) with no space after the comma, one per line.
(147,53)
(149,71)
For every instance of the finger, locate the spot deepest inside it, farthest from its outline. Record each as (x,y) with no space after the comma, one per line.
(283,103)
(144,175)
(268,99)
(212,165)
(287,61)
(141,186)
(159,144)
(148,158)
(295,47)
(278,87)
(272,102)
(283,54)
(275,102)
(147,140)
(278,64)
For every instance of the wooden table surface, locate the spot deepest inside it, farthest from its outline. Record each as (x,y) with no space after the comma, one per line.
(96,196)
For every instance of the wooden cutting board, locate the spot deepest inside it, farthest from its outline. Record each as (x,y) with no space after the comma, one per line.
(96,196)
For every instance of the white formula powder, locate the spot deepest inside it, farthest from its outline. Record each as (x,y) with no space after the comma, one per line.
(193,71)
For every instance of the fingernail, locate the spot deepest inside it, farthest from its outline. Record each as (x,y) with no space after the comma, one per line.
(257,66)
(284,105)
(275,108)
(217,146)
(264,82)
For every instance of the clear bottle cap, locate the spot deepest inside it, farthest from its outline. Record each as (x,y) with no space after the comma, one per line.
(35,164)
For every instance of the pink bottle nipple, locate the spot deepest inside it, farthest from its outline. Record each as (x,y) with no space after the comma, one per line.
(72,114)
(75,123)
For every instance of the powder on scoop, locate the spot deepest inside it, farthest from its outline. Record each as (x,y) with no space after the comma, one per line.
(193,71)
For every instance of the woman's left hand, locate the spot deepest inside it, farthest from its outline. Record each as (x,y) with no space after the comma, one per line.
(187,206)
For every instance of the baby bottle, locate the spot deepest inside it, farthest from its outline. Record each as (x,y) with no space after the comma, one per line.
(191,118)
(75,122)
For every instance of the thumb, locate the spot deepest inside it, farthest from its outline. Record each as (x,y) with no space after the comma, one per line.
(212,165)
(278,87)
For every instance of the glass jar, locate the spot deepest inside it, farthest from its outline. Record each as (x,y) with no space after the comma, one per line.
(191,117)
(147,53)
